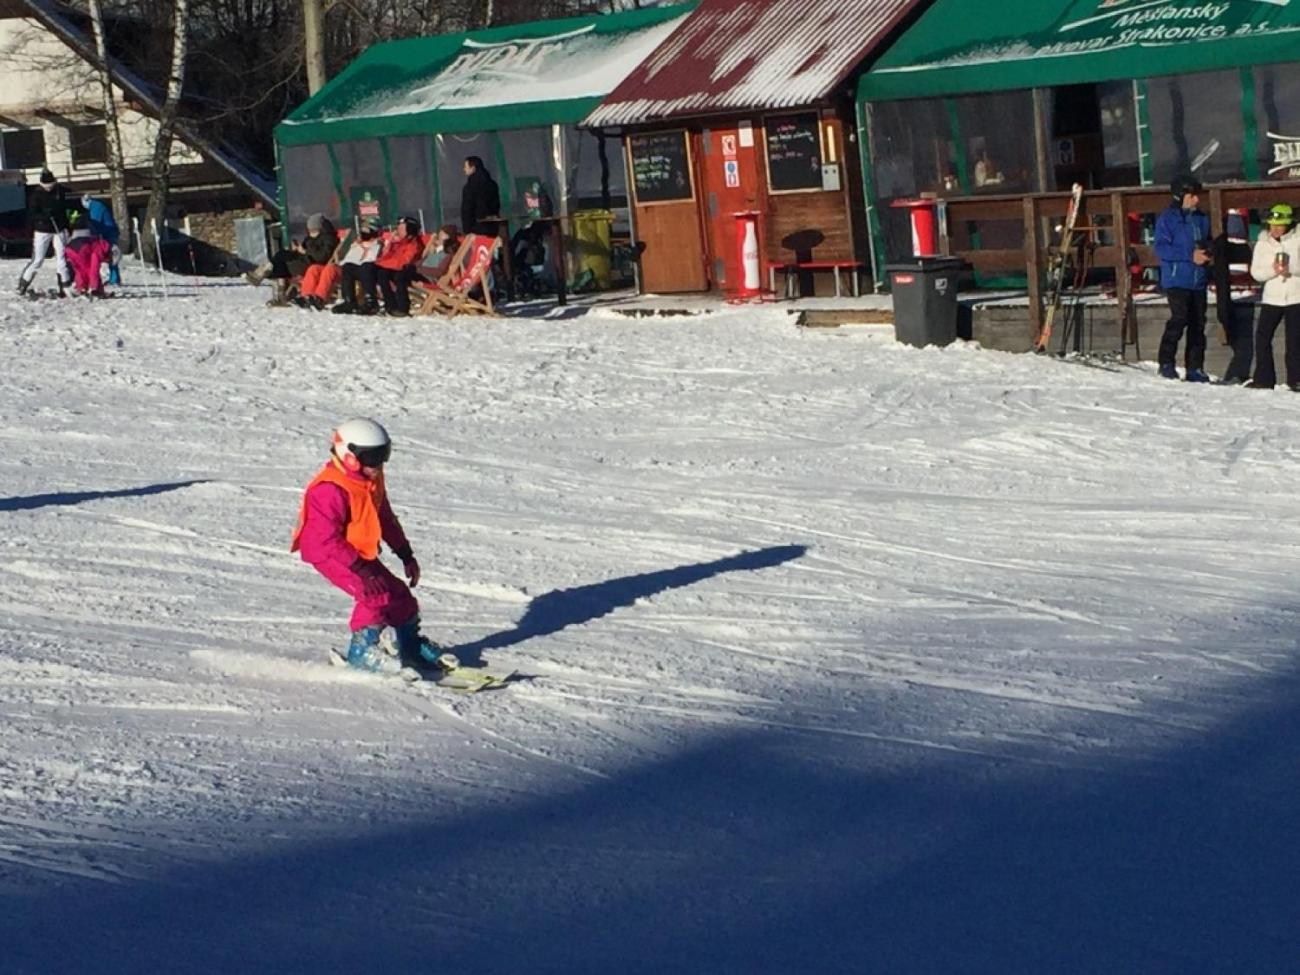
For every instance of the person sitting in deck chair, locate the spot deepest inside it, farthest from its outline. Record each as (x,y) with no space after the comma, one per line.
(358,266)
(321,247)
(396,267)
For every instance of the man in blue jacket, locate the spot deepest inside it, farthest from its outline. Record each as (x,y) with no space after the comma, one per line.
(1183,246)
(102,225)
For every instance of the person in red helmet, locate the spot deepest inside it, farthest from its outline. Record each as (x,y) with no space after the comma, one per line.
(345,515)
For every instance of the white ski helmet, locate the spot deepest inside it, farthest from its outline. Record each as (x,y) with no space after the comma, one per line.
(361,442)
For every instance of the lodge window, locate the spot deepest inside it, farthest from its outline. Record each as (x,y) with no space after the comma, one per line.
(22,149)
(89,145)
(1197,126)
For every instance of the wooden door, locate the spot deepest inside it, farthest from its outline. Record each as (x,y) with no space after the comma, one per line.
(732,184)
(661,174)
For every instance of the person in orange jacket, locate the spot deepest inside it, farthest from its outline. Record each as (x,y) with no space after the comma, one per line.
(396,266)
(344,517)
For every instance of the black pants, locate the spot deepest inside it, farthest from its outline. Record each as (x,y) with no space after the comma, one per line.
(1269,316)
(395,287)
(287,264)
(1186,313)
(355,275)
(1241,336)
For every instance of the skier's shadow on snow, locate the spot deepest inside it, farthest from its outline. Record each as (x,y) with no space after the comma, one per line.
(77,497)
(561,608)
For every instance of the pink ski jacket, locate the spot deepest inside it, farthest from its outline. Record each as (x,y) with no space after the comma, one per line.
(331,529)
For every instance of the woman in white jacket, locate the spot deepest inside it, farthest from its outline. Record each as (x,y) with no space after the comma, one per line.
(1275,263)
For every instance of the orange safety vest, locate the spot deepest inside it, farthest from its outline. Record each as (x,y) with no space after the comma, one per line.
(364,500)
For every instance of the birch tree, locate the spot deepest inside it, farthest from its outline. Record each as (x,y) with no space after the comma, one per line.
(160,170)
(113,131)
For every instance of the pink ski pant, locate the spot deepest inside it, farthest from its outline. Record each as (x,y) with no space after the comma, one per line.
(393,607)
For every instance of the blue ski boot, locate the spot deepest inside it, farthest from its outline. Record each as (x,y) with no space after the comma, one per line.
(414,650)
(364,652)
(1167,371)
(1197,376)
(114,275)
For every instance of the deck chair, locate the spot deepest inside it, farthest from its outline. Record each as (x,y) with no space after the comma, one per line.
(429,269)
(467,270)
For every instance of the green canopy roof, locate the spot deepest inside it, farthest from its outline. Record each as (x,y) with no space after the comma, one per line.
(542,73)
(969,46)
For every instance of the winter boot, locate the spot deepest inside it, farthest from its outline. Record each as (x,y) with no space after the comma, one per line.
(23,285)
(280,295)
(114,275)
(1197,376)
(364,652)
(1168,371)
(253,277)
(415,650)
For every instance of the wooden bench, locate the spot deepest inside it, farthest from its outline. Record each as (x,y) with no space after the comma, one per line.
(792,269)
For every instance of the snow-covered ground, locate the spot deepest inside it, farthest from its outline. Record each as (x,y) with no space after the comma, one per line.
(840,656)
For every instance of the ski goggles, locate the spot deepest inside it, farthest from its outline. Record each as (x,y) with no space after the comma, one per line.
(371,456)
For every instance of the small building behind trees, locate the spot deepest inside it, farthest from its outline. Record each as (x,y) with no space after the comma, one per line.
(52,116)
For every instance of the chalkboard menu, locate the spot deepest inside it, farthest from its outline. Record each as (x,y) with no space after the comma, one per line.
(661,166)
(794,152)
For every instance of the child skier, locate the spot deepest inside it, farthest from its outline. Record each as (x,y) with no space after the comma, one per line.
(345,514)
(85,253)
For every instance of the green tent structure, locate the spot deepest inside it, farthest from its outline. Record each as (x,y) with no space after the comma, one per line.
(387,136)
(1007,97)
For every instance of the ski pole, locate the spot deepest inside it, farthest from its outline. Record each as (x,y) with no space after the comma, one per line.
(157,246)
(139,253)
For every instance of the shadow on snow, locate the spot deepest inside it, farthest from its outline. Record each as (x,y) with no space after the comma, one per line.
(754,853)
(553,611)
(77,497)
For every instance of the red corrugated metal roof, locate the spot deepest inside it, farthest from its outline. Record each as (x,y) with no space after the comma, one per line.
(752,54)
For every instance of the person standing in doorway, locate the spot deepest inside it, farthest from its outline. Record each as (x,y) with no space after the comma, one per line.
(1273,263)
(480,200)
(1183,246)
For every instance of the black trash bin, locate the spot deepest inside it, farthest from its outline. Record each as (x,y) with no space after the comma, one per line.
(925,299)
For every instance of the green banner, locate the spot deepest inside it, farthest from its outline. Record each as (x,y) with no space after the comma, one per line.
(959,46)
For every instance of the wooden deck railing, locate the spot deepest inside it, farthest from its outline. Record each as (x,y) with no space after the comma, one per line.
(1106,211)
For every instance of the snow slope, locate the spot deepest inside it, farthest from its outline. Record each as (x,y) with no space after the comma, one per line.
(841,656)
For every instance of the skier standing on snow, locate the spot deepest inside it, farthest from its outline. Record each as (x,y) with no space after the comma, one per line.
(86,254)
(47,212)
(1273,263)
(103,226)
(1182,244)
(345,515)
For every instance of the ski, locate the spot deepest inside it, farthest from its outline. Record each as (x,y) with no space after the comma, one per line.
(460,678)
(1056,276)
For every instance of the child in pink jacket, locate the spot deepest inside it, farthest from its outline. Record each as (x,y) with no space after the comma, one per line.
(345,515)
(85,254)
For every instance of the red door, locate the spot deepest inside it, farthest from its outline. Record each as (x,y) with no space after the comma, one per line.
(731,182)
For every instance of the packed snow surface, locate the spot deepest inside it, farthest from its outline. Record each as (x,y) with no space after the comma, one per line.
(835,655)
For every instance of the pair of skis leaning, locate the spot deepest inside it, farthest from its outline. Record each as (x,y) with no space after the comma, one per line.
(1056,275)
